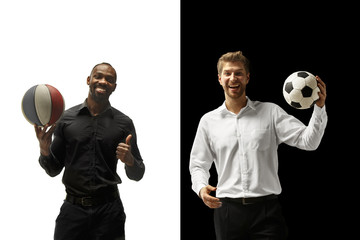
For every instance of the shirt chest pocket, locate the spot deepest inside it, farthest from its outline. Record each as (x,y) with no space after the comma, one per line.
(257,139)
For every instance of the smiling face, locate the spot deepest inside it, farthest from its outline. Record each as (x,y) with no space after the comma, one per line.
(102,82)
(234,79)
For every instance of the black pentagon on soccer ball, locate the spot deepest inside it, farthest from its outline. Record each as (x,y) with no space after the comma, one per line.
(302,74)
(288,87)
(295,104)
(306,91)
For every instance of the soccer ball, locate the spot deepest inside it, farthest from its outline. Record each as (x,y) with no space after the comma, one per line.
(300,90)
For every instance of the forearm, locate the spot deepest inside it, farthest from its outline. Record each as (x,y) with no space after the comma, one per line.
(50,164)
(315,130)
(294,133)
(201,160)
(136,171)
(199,179)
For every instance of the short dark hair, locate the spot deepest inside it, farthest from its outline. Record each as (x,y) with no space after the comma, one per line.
(103,63)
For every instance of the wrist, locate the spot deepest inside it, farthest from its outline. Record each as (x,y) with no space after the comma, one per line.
(45,152)
(130,162)
(201,192)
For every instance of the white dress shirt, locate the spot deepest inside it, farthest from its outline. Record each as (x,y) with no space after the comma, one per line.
(244,147)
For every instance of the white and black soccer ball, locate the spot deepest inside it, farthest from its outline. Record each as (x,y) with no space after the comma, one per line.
(300,90)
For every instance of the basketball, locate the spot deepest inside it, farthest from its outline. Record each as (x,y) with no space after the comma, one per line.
(42,104)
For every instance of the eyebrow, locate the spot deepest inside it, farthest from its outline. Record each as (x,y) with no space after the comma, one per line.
(237,69)
(102,73)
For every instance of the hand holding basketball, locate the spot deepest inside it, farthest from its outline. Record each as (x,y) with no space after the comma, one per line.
(44,135)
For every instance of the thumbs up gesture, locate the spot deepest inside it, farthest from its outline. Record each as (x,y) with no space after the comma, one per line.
(123,152)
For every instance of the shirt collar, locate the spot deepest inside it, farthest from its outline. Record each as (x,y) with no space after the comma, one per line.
(249,104)
(84,106)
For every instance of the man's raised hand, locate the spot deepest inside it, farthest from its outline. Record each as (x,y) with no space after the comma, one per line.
(123,152)
(44,135)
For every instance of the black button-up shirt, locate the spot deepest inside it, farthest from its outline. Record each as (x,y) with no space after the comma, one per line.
(86,146)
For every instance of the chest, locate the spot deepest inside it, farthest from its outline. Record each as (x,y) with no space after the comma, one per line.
(251,132)
(87,130)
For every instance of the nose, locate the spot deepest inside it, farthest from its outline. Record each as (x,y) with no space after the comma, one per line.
(232,77)
(102,80)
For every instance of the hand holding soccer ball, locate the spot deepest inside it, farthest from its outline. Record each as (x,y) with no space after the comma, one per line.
(322,94)
(302,90)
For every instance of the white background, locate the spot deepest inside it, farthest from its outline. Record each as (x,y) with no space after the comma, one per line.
(58,42)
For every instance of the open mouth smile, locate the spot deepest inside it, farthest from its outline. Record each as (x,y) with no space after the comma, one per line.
(100,90)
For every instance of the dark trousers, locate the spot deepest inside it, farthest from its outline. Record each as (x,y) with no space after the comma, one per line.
(260,221)
(105,222)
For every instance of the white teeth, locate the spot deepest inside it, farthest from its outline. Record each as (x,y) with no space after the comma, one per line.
(100,89)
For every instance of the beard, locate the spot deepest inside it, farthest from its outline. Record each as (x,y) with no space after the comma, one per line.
(97,96)
(235,94)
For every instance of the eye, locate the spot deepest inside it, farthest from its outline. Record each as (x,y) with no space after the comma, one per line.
(110,79)
(97,76)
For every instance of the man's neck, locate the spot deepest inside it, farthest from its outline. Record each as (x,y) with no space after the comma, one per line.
(96,108)
(235,105)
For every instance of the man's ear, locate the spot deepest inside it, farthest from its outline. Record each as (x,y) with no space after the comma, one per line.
(88,80)
(219,79)
(248,78)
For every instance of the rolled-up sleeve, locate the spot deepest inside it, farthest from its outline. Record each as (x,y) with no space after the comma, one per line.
(293,132)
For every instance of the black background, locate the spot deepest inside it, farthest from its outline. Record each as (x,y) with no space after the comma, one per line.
(318,186)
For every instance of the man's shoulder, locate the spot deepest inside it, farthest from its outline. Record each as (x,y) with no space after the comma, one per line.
(257,105)
(72,110)
(213,113)
(120,115)
(264,105)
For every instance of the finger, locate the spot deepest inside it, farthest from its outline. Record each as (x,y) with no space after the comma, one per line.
(51,130)
(321,86)
(45,128)
(213,202)
(37,129)
(320,82)
(122,150)
(128,139)
(322,92)
(123,146)
(216,205)
(210,198)
(319,79)
(210,188)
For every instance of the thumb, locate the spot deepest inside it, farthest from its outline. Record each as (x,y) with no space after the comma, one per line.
(128,139)
(211,188)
